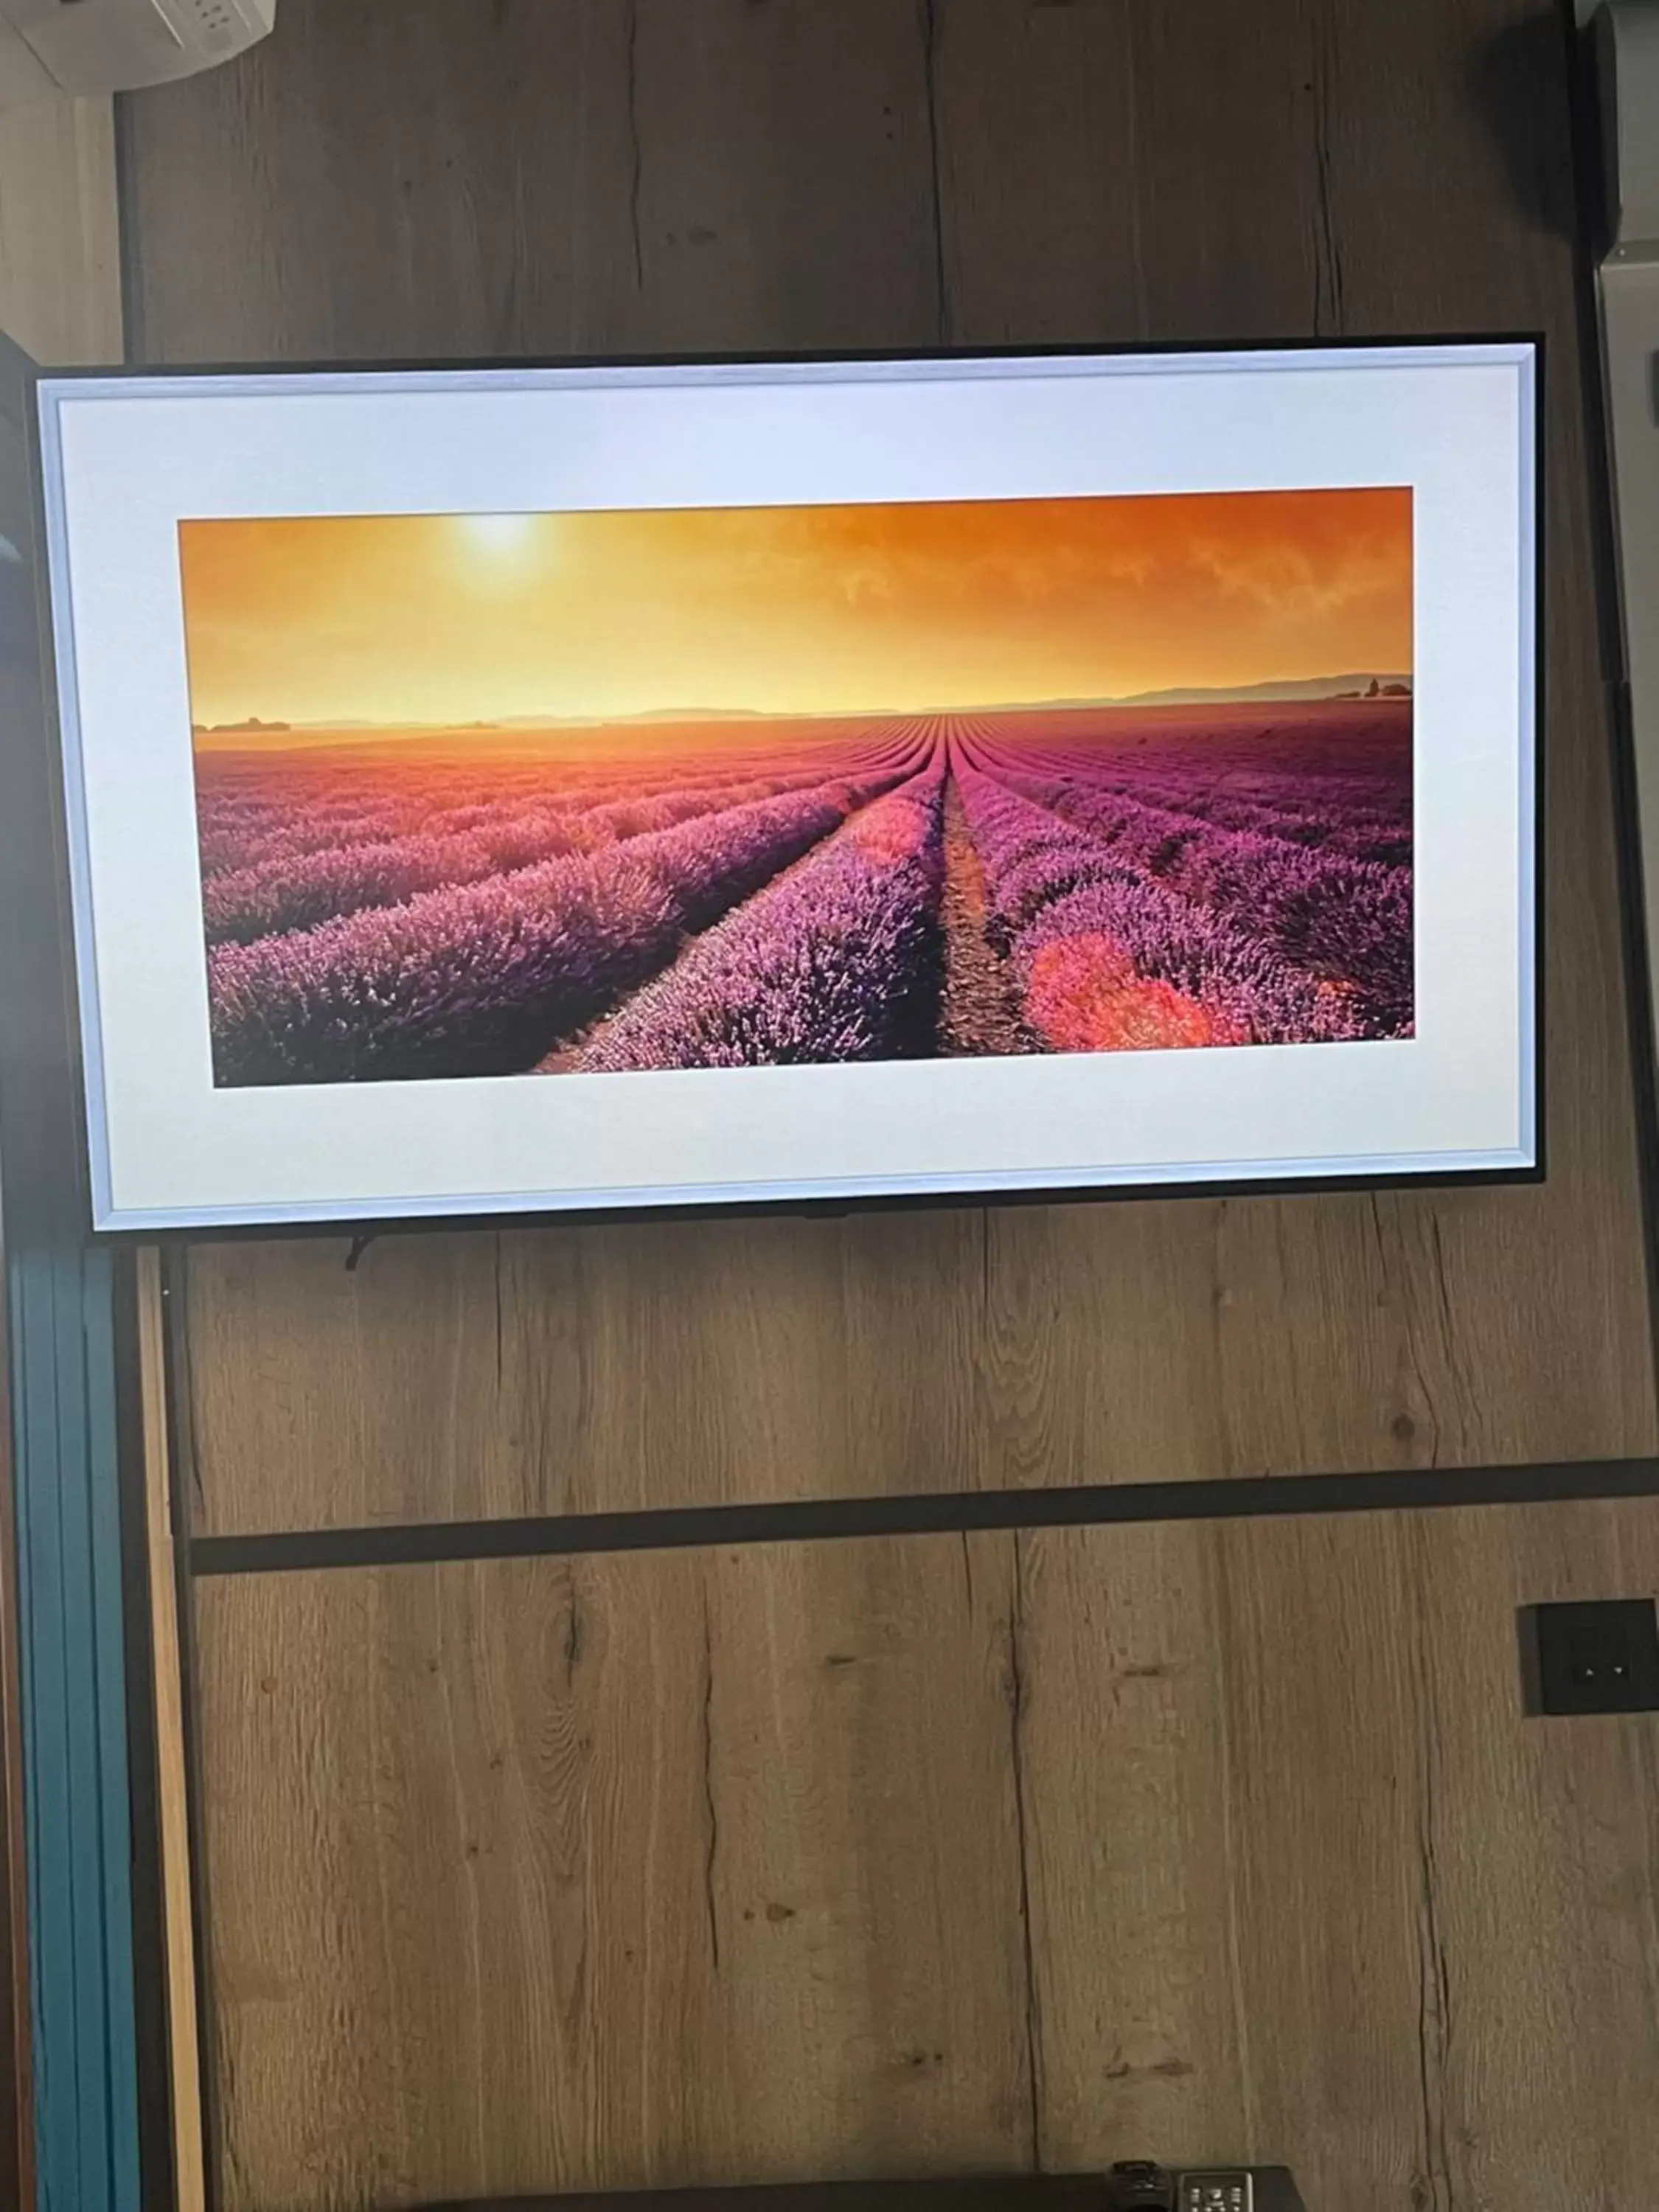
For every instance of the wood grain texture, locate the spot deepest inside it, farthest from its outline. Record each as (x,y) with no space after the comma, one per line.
(1387,1923)
(540,177)
(585,1370)
(1199,1839)
(172,1756)
(60,280)
(985,1855)
(670,175)
(664,1869)
(1267,174)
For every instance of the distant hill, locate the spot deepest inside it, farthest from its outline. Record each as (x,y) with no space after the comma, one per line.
(618,721)
(1313,687)
(255,735)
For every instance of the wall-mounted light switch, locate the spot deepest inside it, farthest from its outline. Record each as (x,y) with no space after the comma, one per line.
(1601,1657)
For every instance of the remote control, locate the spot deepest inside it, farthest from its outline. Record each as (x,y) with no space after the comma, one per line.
(1141,2185)
(1228,2191)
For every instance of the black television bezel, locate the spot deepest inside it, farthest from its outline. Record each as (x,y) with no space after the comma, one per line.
(362,1229)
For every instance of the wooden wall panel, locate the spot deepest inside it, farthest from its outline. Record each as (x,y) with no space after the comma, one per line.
(668,174)
(546,1876)
(1125,173)
(586,1370)
(1359,1909)
(935,1856)
(1058,1848)
(540,177)
(60,286)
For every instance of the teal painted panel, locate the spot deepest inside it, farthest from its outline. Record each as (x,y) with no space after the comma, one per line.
(74,1727)
(109,1703)
(60,1325)
(46,1715)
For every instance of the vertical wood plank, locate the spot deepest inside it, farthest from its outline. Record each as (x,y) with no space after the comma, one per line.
(492,1849)
(60,283)
(543,177)
(172,1759)
(1362,1914)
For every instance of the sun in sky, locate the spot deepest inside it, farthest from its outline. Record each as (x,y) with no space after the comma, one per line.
(444,620)
(503,542)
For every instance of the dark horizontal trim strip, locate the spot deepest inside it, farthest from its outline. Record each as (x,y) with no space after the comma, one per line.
(815,1519)
(1048,2193)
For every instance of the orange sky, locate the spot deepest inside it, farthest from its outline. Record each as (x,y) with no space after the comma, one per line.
(809,609)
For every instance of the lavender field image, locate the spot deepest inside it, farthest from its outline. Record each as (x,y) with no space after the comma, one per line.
(1040,882)
(639,884)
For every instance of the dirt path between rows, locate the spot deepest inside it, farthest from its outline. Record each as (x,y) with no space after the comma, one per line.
(979,1014)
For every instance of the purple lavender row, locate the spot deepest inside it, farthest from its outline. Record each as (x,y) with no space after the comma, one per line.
(287,798)
(1052,885)
(1335,813)
(278,895)
(288,817)
(240,831)
(840,959)
(292,828)
(484,979)
(1344,921)
(1329,820)
(1365,811)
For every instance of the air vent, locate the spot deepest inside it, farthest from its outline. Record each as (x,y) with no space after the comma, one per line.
(218,21)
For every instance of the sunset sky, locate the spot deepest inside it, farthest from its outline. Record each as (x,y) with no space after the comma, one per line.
(802,611)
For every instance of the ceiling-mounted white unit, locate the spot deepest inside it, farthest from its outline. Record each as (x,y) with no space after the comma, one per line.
(1627,69)
(67,47)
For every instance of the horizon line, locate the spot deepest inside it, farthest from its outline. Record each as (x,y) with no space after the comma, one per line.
(1283,692)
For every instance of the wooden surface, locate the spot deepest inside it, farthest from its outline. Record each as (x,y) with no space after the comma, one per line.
(575,1824)
(937,1855)
(1196,1840)
(171,1759)
(550,174)
(60,293)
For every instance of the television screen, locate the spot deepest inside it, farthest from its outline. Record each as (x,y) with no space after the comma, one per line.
(519,790)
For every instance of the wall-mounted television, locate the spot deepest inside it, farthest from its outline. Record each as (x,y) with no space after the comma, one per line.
(520,790)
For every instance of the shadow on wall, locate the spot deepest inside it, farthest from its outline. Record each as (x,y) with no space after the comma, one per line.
(1521,83)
